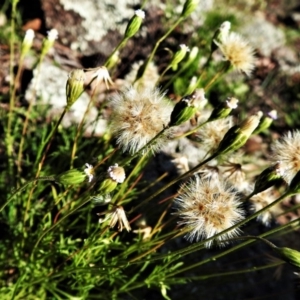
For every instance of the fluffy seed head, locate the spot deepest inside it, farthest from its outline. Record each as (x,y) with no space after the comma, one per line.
(237,51)
(260,201)
(287,151)
(138,116)
(213,132)
(207,207)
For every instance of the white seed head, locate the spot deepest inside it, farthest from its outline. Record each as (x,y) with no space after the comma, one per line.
(207,207)
(237,51)
(138,116)
(287,151)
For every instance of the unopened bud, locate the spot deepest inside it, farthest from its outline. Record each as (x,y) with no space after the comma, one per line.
(188,7)
(266,121)
(224,109)
(134,24)
(49,41)
(179,56)
(219,35)
(75,86)
(185,109)
(269,177)
(238,135)
(71,177)
(27,42)
(289,255)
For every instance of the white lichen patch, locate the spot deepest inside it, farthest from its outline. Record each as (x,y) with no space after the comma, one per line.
(51,91)
(100,16)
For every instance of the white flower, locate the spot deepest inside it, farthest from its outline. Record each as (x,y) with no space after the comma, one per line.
(116,173)
(89,171)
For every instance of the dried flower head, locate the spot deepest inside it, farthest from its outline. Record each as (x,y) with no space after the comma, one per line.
(287,151)
(116,215)
(101,75)
(237,51)
(233,172)
(138,116)
(212,133)
(260,201)
(207,207)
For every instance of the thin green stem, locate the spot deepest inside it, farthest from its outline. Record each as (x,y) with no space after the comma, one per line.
(183,176)
(191,131)
(44,178)
(150,58)
(87,200)
(120,46)
(8,136)
(230,250)
(26,121)
(141,151)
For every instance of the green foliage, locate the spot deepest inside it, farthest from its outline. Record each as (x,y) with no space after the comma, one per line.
(66,216)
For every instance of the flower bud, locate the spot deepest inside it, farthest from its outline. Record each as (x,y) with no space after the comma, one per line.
(49,41)
(115,175)
(186,108)
(134,24)
(238,135)
(27,42)
(269,177)
(266,121)
(71,177)
(188,7)
(75,86)
(289,255)
(179,56)
(223,109)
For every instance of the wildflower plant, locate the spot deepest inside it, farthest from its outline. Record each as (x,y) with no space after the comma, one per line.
(113,216)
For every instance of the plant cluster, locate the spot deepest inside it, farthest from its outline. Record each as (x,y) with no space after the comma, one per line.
(81,218)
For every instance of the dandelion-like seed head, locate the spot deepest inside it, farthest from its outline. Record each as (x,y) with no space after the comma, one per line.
(138,116)
(237,51)
(287,151)
(260,201)
(207,207)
